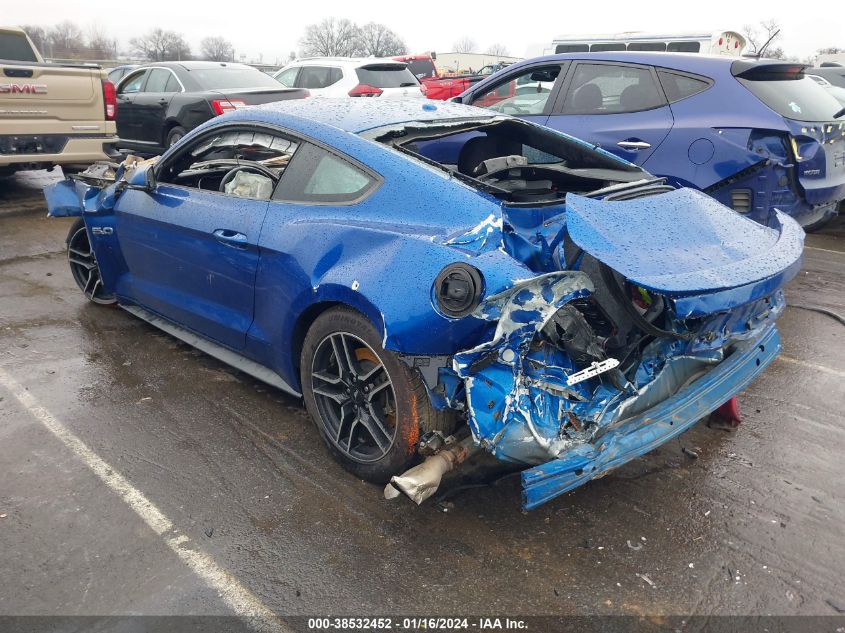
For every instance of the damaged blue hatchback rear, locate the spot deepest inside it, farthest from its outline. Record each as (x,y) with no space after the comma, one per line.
(541,299)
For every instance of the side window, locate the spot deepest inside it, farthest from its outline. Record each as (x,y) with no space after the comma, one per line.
(312,77)
(521,93)
(317,176)
(173,84)
(609,89)
(679,87)
(572,48)
(684,47)
(288,77)
(157,80)
(133,83)
(241,162)
(607,47)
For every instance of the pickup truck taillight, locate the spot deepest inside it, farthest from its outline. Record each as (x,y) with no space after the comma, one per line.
(221,106)
(109,100)
(364,90)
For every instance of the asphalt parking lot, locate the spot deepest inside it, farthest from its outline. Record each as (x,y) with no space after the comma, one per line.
(238,474)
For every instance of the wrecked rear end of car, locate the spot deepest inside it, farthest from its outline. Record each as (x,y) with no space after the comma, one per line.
(642,310)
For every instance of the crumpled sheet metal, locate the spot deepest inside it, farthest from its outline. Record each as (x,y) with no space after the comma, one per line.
(94,189)
(684,242)
(493,372)
(642,433)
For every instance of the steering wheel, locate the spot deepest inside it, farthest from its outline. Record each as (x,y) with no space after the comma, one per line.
(260,169)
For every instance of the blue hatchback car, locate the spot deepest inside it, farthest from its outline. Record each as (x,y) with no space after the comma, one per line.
(756,135)
(544,301)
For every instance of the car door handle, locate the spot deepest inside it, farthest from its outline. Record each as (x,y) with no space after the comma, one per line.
(231,238)
(634,145)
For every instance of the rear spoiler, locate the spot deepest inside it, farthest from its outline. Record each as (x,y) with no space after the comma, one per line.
(767,71)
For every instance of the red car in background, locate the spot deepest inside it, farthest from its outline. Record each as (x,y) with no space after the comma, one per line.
(440,88)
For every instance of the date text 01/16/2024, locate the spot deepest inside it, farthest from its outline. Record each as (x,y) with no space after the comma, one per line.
(415,624)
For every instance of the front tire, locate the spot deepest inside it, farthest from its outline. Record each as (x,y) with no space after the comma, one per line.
(84,267)
(367,404)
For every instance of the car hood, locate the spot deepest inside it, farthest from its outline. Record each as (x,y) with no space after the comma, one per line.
(683,242)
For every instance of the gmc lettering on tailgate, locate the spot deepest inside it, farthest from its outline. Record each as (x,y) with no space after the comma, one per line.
(24,89)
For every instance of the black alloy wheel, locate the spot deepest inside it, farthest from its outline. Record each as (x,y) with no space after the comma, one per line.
(84,267)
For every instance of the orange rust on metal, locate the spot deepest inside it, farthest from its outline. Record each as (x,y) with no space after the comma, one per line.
(574,421)
(414,428)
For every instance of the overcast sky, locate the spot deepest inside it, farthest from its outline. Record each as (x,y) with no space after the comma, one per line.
(273,28)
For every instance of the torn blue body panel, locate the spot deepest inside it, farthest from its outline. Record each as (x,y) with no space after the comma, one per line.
(683,243)
(645,432)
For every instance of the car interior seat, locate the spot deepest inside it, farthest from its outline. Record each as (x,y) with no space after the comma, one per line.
(480,148)
(633,98)
(588,98)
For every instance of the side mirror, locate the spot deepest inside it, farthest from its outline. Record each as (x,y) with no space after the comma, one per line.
(457,99)
(434,56)
(143,181)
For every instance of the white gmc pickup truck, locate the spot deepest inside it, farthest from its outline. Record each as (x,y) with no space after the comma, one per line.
(51,114)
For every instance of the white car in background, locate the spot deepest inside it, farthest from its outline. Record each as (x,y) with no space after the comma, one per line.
(351,77)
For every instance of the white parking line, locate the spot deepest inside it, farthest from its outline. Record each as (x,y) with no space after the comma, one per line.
(821,368)
(237,597)
(823,250)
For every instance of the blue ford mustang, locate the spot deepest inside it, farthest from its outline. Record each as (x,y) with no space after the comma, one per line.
(540,299)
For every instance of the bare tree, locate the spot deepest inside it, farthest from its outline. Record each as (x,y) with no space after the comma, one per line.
(217,49)
(761,37)
(830,50)
(498,50)
(66,40)
(39,37)
(379,41)
(159,45)
(100,45)
(465,45)
(330,38)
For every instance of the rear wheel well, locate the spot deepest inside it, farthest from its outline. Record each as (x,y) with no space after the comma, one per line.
(303,324)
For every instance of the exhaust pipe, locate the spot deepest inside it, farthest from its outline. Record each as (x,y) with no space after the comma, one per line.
(422,481)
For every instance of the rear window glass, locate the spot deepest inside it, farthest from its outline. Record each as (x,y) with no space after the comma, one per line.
(798,99)
(386,76)
(679,87)
(217,78)
(316,77)
(422,68)
(15,46)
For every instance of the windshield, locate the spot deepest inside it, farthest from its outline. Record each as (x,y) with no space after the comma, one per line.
(228,78)
(798,99)
(386,76)
(15,46)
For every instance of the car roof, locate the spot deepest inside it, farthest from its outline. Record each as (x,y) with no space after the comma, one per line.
(357,115)
(684,62)
(344,61)
(196,65)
